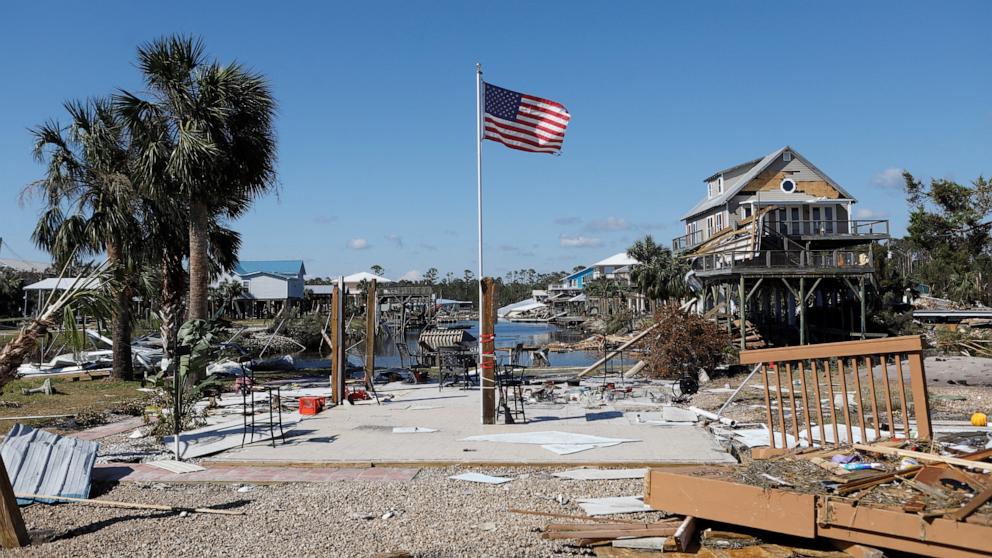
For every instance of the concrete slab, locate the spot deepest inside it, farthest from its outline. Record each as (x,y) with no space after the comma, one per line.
(363,434)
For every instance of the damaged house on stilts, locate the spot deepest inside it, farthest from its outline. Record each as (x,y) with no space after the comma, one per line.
(775,254)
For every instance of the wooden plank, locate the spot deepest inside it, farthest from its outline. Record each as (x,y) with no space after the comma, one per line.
(830,395)
(846,407)
(902,396)
(920,456)
(904,344)
(805,401)
(13,534)
(576,517)
(819,405)
(717,499)
(781,405)
(921,401)
(901,531)
(684,534)
(608,532)
(972,505)
(768,409)
(888,395)
(860,402)
(874,398)
(792,402)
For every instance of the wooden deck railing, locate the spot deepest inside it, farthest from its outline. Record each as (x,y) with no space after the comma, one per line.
(851,363)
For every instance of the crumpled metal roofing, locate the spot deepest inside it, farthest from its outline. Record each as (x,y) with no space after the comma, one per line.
(39,462)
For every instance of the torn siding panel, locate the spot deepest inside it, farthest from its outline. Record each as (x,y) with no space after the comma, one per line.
(39,462)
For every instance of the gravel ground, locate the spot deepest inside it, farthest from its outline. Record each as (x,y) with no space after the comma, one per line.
(432,516)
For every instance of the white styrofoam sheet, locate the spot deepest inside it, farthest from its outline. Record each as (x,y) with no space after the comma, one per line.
(479,477)
(616,504)
(601,474)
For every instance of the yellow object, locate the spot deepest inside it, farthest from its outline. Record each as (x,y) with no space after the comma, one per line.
(979,419)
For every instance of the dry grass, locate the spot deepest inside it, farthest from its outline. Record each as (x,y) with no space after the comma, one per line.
(83,396)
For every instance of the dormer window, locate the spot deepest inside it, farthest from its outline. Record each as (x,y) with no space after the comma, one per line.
(788,185)
(720,183)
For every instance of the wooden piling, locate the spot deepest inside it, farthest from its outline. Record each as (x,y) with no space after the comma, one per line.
(487,364)
(13,534)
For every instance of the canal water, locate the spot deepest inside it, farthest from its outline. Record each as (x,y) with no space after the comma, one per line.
(508,334)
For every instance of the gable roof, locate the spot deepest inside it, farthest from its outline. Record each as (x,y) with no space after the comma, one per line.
(758,166)
(277,267)
(620,259)
(365,276)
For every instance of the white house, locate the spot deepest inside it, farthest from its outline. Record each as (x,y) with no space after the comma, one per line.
(265,280)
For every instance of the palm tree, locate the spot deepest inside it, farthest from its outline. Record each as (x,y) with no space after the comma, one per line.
(91,204)
(659,276)
(208,128)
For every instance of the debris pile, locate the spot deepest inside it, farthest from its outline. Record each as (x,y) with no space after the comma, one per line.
(891,495)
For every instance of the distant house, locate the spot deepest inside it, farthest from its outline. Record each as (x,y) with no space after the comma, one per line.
(567,296)
(352,285)
(268,280)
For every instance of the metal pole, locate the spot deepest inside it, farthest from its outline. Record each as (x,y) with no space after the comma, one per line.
(478,186)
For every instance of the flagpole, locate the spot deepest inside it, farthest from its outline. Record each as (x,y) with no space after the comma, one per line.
(478,179)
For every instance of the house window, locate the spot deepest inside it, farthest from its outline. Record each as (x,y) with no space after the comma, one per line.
(709,226)
(787,156)
(719,221)
(788,185)
(720,183)
(828,216)
(246,285)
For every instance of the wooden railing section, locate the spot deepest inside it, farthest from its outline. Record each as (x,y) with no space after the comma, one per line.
(851,364)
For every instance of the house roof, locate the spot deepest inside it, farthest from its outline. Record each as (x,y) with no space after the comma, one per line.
(574,274)
(365,276)
(54,283)
(621,259)
(758,165)
(279,267)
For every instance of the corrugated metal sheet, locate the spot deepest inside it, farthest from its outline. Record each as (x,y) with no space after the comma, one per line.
(39,462)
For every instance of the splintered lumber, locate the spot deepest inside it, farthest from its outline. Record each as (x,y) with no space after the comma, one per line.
(919,455)
(128,505)
(684,534)
(603,532)
(577,517)
(589,369)
(875,480)
(975,503)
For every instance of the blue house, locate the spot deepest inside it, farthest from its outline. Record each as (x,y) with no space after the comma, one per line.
(265,280)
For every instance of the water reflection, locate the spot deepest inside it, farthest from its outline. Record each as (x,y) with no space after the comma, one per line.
(508,334)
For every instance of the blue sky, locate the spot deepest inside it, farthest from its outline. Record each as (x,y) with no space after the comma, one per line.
(377,100)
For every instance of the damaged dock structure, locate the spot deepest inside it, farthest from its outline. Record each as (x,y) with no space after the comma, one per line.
(773,242)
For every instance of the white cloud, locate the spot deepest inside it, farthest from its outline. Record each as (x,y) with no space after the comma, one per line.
(396,239)
(412,275)
(358,244)
(866,213)
(579,241)
(609,224)
(889,178)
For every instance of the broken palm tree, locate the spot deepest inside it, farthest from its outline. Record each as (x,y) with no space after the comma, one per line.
(84,294)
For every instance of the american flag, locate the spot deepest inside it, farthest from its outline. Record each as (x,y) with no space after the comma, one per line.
(524,122)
